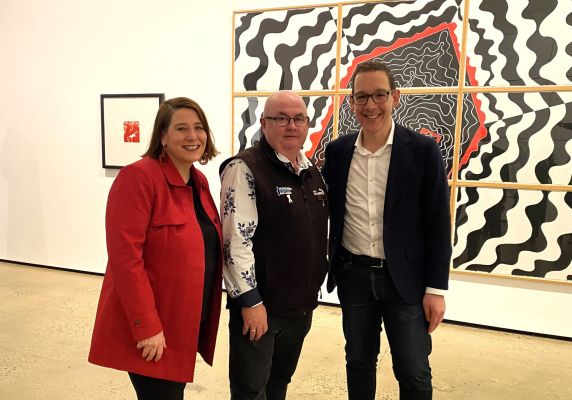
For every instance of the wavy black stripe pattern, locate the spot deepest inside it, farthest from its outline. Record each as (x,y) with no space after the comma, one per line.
(528,140)
(264,60)
(364,37)
(505,137)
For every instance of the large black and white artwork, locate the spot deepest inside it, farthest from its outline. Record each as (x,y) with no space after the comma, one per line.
(514,232)
(512,82)
(285,49)
(528,140)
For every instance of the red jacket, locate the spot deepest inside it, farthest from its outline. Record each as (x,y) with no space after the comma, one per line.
(155,273)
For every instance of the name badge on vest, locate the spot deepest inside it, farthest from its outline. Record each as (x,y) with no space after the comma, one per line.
(284,191)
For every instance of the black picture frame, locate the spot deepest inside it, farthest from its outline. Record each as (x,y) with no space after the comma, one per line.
(126,126)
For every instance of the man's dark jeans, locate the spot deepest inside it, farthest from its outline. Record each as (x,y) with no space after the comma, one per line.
(368,298)
(262,370)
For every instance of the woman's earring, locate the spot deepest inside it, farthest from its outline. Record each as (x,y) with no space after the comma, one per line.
(203,160)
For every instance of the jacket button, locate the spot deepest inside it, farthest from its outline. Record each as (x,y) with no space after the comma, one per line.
(137,322)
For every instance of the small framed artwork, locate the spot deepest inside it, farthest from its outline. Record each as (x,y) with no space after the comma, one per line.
(126,126)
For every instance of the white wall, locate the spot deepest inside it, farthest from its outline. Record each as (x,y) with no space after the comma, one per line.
(57,58)
(525,305)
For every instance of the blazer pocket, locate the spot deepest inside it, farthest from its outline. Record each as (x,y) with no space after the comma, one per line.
(165,220)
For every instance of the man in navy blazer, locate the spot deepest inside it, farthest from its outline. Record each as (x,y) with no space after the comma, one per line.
(390,244)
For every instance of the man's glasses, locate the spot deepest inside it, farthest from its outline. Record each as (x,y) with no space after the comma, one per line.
(377,97)
(284,121)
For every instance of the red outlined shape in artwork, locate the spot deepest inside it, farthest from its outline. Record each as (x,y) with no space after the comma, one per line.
(481,132)
(315,137)
(434,135)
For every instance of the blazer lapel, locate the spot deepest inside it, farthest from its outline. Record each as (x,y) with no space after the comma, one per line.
(399,164)
(345,159)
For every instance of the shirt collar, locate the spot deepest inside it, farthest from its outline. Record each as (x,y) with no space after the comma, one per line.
(363,151)
(303,161)
(172,174)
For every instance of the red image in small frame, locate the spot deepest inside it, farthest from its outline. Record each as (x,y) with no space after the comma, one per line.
(131,131)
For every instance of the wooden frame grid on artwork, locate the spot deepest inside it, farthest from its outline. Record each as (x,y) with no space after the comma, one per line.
(460,90)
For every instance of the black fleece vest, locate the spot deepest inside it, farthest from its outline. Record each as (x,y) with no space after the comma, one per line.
(290,241)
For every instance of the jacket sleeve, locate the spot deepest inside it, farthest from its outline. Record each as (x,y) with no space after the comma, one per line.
(127,219)
(436,218)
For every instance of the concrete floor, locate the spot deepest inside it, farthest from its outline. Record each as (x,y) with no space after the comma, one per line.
(46,318)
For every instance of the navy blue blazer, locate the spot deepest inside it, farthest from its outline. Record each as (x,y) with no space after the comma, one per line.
(416,220)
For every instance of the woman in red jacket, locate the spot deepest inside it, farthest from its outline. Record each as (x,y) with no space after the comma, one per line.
(161,294)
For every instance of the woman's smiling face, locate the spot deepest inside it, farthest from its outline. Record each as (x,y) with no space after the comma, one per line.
(186,138)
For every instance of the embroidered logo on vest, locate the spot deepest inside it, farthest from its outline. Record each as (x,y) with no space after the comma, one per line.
(320,195)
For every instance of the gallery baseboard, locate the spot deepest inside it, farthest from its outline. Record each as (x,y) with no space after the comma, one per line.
(327,304)
(27,264)
(507,330)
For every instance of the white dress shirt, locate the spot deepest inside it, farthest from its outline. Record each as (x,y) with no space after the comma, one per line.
(365,198)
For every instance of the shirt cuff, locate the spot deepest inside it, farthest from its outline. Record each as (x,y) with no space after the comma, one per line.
(249,299)
(440,292)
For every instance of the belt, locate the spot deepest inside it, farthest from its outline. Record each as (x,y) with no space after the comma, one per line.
(361,260)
